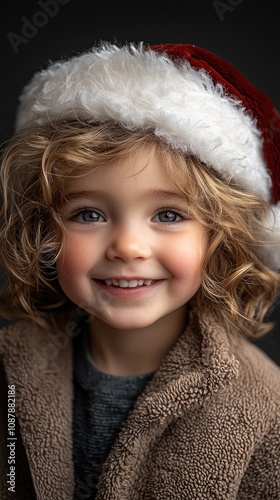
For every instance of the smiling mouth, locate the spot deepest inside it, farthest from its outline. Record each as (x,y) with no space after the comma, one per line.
(127,283)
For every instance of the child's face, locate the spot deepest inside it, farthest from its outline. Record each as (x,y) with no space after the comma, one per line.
(133,253)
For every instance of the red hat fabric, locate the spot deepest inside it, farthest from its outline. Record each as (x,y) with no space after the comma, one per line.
(234,84)
(191,98)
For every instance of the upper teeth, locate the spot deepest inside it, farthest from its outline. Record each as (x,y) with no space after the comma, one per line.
(128,284)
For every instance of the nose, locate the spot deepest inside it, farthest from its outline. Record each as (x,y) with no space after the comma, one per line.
(127,244)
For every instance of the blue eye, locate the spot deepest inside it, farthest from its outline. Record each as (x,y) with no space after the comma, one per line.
(89,216)
(167,216)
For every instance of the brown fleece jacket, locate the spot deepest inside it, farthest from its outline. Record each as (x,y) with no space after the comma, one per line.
(207,426)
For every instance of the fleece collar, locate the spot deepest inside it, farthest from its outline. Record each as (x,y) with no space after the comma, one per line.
(199,365)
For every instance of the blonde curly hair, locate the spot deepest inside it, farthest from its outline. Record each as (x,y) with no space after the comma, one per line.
(36,165)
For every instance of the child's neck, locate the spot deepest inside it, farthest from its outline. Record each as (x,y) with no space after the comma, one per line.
(133,352)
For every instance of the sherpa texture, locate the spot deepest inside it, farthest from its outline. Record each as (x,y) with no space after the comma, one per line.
(191,98)
(207,426)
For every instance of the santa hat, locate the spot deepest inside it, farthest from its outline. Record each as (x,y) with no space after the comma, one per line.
(192,98)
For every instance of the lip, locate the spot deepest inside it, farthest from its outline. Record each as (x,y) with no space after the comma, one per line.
(128,292)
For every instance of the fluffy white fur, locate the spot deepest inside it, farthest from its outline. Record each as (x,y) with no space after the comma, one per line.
(141,88)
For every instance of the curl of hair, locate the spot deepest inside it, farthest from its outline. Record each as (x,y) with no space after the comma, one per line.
(37,165)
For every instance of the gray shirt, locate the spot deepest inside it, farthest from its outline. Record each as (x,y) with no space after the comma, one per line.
(101,404)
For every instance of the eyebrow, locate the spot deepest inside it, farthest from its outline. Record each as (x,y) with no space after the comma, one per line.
(149,193)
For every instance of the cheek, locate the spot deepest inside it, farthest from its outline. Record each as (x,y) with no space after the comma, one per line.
(76,257)
(186,258)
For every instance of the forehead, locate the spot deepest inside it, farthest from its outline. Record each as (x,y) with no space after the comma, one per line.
(141,170)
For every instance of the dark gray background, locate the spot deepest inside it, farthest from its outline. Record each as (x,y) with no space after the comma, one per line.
(244,33)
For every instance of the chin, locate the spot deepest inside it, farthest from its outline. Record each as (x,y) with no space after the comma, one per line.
(126,323)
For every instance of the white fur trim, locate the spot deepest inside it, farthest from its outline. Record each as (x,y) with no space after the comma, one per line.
(270,252)
(145,89)
(142,88)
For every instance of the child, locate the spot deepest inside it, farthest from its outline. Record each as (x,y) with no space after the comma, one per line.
(140,238)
